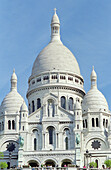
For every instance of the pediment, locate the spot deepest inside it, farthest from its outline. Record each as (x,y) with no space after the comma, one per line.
(64,114)
(35,116)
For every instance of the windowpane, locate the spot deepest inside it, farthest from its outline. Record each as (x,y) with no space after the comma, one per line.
(38,103)
(66,142)
(63,102)
(71,103)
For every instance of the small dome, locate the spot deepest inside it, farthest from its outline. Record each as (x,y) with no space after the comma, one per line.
(24,107)
(94,100)
(12,102)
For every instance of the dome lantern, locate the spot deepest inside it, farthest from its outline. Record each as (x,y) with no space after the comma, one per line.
(13,81)
(55,27)
(93,78)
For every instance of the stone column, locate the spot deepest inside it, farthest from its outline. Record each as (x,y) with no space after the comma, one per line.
(101,121)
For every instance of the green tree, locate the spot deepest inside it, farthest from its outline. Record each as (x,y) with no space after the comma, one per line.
(107,163)
(3,165)
(93,165)
(1,155)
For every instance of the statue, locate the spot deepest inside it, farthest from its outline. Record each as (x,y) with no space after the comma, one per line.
(21,141)
(77,139)
(50,110)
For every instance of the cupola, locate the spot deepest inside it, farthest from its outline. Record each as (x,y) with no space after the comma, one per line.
(13,81)
(55,27)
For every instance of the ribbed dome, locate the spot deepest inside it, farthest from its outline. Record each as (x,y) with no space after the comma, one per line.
(12,102)
(94,100)
(55,56)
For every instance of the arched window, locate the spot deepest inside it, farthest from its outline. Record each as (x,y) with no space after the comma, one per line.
(2,125)
(83,124)
(51,131)
(35,144)
(66,143)
(29,109)
(63,102)
(71,103)
(13,124)
(23,128)
(33,106)
(38,103)
(93,124)
(9,124)
(86,122)
(77,126)
(96,162)
(106,123)
(97,123)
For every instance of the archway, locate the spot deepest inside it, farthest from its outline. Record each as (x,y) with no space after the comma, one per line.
(66,162)
(50,163)
(33,163)
(8,163)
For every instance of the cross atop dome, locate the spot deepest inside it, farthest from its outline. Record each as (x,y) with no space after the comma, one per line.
(55,10)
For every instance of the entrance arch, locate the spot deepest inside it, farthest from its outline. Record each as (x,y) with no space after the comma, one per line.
(66,162)
(33,163)
(49,163)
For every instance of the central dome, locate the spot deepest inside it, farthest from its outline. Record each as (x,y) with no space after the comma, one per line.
(55,56)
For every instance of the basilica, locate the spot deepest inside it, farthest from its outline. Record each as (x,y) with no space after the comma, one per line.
(62,125)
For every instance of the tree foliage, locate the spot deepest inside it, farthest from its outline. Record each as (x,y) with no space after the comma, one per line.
(108,163)
(1,155)
(3,165)
(93,165)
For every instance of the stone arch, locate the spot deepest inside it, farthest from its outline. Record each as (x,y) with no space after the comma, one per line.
(34,127)
(96,137)
(50,159)
(66,161)
(7,139)
(33,160)
(46,98)
(63,127)
(55,127)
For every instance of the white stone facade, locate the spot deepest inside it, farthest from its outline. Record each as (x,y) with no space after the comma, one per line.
(61,122)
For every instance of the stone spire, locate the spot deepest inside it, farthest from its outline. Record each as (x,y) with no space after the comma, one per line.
(55,27)
(93,79)
(13,81)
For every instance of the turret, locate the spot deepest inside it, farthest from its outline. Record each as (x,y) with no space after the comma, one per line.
(24,117)
(55,27)
(78,116)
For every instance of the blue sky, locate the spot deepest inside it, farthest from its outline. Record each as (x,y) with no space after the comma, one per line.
(25,31)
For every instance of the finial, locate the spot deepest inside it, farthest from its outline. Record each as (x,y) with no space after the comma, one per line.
(93,78)
(55,10)
(14,70)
